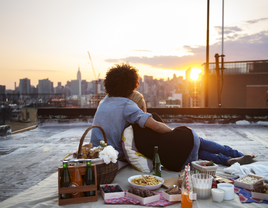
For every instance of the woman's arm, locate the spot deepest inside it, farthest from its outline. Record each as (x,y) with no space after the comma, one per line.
(157,126)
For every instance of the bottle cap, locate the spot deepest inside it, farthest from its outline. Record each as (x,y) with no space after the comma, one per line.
(65,164)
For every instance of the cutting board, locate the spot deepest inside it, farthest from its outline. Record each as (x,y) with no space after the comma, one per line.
(170,181)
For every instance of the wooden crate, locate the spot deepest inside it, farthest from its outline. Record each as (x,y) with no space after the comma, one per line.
(83,199)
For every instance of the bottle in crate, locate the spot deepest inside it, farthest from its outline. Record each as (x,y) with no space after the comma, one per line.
(89,178)
(76,180)
(65,180)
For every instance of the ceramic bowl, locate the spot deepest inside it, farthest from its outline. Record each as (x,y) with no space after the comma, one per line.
(152,187)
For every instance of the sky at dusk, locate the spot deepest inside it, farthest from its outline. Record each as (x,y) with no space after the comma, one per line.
(50,38)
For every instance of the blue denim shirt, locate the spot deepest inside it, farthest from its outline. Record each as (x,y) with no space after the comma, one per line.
(114,114)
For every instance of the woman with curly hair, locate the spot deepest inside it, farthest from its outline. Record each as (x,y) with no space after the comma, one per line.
(116,112)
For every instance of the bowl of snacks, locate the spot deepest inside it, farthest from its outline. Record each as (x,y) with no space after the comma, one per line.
(247,181)
(149,182)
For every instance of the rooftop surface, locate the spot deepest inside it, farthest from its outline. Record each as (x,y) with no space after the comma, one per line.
(29,157)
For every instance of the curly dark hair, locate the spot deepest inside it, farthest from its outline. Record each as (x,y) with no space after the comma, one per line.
(121,80)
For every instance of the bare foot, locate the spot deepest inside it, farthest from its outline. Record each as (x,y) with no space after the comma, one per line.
(246,159)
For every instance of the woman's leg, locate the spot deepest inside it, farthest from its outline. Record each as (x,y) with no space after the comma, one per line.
(213,147)
(219,154)
(216,158)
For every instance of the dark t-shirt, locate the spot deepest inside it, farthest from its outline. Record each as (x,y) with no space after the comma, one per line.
(173,147)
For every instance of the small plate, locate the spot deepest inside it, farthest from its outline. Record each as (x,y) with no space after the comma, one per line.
(145,187)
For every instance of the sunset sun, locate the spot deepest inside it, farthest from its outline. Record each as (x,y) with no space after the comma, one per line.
(194,75)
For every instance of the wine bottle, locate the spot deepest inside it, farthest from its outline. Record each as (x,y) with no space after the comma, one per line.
(156,163)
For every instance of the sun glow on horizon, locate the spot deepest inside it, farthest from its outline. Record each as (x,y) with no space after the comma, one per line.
(195,73)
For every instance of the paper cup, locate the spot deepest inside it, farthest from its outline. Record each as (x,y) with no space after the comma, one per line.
(229,190)
(217,194)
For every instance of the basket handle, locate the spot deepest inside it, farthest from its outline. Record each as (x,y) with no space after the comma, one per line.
(83,138)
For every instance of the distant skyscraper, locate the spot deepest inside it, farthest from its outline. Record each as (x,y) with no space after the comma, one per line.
(45,86)
(79,77)
(84,85)
(59,88)
(2,89)
(25,86)
(76,87)
(148,82)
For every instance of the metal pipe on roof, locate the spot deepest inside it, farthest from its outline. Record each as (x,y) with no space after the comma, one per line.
(207,59)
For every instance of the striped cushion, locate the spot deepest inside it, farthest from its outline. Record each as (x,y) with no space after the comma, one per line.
(136,159)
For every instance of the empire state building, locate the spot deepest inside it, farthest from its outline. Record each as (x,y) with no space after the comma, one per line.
(79,74)
(76,84)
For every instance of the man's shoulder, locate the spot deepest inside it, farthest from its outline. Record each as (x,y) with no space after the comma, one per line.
(121,100)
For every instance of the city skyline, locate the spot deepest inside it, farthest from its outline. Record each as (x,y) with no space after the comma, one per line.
(193,76)
(41,39)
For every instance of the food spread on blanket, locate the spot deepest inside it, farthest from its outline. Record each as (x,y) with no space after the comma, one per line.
(260,187)
(247,179)
(146,181)
(141,192)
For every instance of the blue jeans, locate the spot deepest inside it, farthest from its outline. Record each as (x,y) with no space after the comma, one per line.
(209,150)
(194,153)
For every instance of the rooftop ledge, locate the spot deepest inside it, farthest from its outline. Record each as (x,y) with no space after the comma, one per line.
(169,115)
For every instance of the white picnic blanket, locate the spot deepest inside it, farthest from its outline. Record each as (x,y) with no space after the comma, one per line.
(45,194)
(257,168)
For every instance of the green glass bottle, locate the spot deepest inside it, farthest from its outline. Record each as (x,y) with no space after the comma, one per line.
(89,178)
(156,163)
(65,180)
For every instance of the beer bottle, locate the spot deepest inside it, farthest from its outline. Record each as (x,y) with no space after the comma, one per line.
(65,180)
(89,178)
(76,180)
(156,163)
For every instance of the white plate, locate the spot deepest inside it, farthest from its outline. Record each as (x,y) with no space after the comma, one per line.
(145,187)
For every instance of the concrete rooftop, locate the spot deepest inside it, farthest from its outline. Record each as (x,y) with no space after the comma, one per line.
(29,157)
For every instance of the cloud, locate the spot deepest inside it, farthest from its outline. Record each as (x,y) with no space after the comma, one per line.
(227,30)
(236,48)
(242,48)
(162,62)
(256,20)
(142,50)
(40,70)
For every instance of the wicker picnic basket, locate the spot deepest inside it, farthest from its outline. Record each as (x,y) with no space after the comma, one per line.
(211,170)
(105,172)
